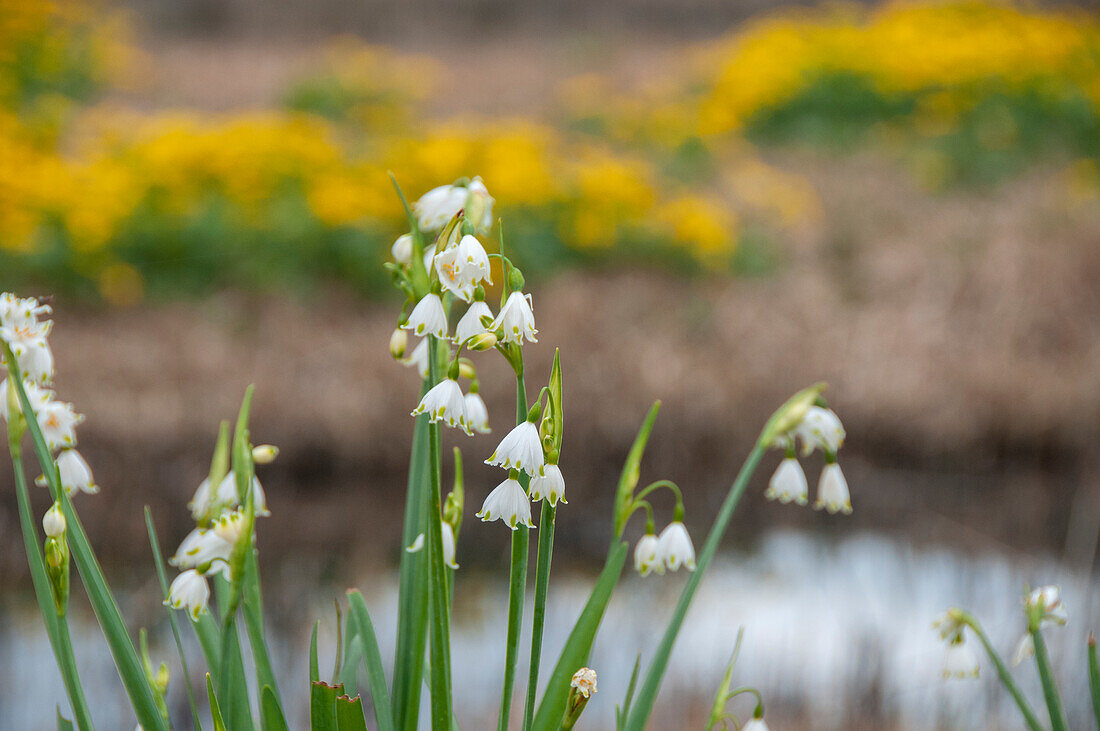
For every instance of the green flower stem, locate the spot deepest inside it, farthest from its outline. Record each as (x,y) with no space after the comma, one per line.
(257,636)
(129,665)
(57,628)
(162,577)
(1003,673)
(647,695)
(1050,686)
(439,630)
(517,584)
(1094,678)
(412,616)
(542,582)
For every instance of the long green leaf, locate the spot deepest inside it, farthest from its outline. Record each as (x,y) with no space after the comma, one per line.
(517,582)
(322,706)
(383,713)
(412,626)
(215,707)
(234,689)
(55,626)
(254,624)
(1094,678)
(647,695)
(632,469)
(349,714)
(271,712)
(314,667)
(349,673)
(621,712)
(95,583)
(575,653)
(162,577)
(63,724)
(210,640)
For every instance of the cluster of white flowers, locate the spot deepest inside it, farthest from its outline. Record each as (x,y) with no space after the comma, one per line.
(26,335)
(458,265)
(671,550)
(207,549)
(819,429)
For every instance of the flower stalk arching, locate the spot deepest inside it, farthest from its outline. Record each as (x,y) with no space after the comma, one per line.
(1003,672)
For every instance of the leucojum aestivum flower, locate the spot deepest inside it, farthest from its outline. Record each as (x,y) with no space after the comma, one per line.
(465,300)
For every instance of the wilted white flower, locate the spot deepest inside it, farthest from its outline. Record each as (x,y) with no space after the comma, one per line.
(428,317)
(418,358)
(959,659)
(647,555)
(200,549)
(516,319)
(1025,649)
(788,483)
(53,522)
(520,449)
(189,590)
(402,250)
(227,497)
(58,420)
(75,473)
(548,485)
(674,547)
(477,415)
(584,680)
(756,724)
(832,491)
(508,503)
(469,324)
(820,429)
(438,206)
(445,402)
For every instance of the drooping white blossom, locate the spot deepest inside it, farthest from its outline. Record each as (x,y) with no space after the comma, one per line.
(584,680)
(520,449)
(832,491)
(438,206)
(452,275)
(418,358)
(189,590)
(477,414)
(469,324)
(27,336)
(509,504)
(516,319)
(755,724)
(58,420)
(674,547)
(479,206)
(203,549)
(227,497)
(788,484)
(959,659)
(445,402)
(820,429)
(428,317)
(548,485)
(647,556)
(473,261)
(75,473)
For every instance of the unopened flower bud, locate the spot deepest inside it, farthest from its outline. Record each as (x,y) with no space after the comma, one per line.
(162,676)
(466,370)
(515,280)
(484,341)
(55,556)
(265,453)
(54,522)
(399,342)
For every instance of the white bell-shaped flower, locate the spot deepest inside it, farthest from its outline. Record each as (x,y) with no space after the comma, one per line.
(75,473)
(820,429)
(189,590)
(647,555)
(452,275)
(58,420)
(402,250)
(469,324)
(445,402)
(477,414)
(418,358)
(520,449)
(479,206)
(38,397)
(832,491)
(788,484)
(516,319)
(227,497)
(548,485)
(755,724)
(509,504)
(473,260)
(674,547)
(959,659)
(1048,599)
(230,526)
(36,362)
(201,548)
(438,206)
(428,317)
